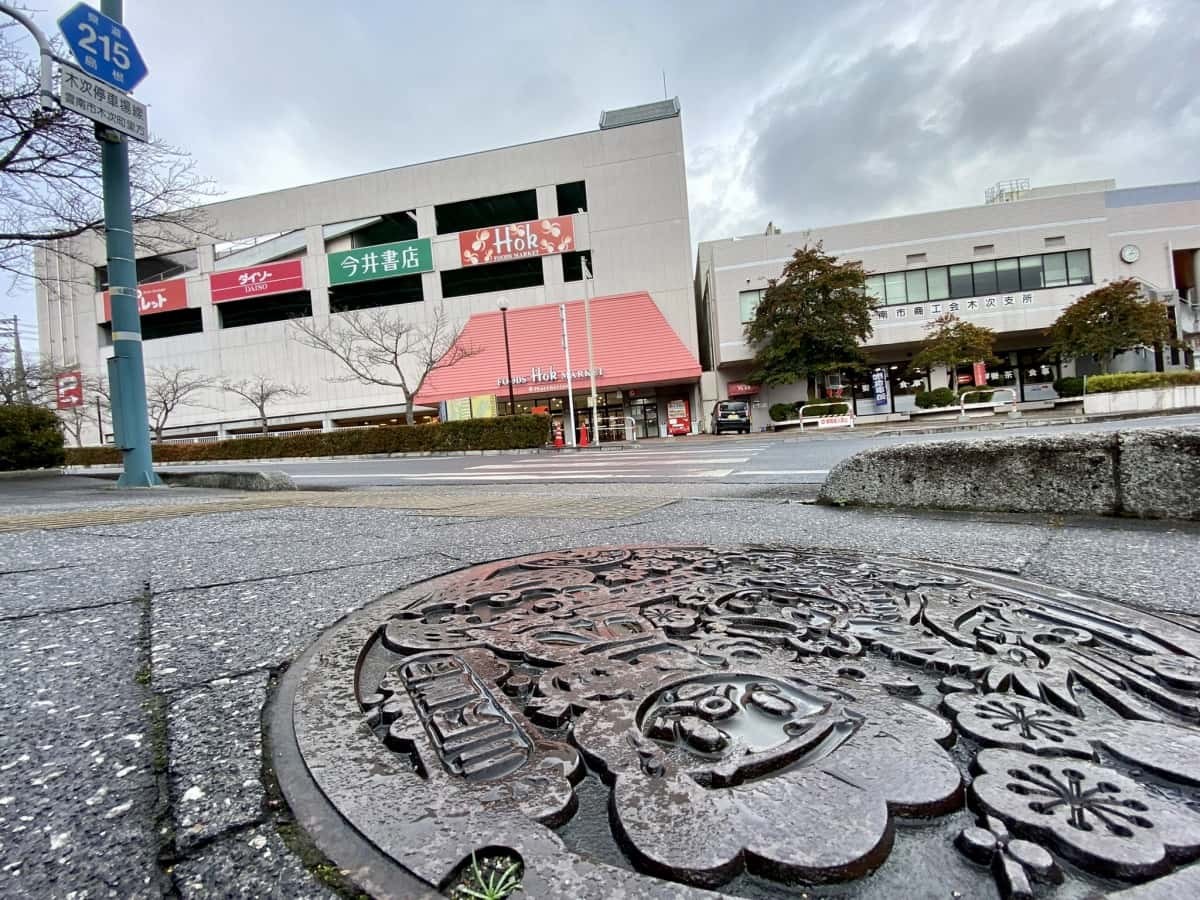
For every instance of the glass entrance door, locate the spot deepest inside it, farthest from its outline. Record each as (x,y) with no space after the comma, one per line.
(645,416)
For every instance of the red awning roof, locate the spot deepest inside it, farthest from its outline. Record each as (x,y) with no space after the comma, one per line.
(632,344)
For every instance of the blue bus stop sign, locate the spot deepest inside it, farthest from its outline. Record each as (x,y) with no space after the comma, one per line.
(103,47)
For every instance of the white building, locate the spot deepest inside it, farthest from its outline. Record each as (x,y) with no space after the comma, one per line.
(455,234)
(1012,265)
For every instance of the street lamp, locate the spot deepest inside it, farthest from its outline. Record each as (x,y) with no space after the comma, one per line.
(512,403)
(587,324)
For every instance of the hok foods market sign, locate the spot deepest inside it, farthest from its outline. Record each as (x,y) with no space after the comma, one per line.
(380,261)
(502,242)
(545,377)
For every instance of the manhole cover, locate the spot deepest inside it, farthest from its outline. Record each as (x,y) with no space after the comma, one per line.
(658,721)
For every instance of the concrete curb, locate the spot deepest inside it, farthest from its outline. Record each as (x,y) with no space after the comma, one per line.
(1143,473)
(233,481)
(275,460)
(33,473)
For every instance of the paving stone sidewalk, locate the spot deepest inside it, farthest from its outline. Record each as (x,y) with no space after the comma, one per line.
(135,657)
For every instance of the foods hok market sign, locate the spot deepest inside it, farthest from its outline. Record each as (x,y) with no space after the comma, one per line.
(256,281)
(544,377)
(380,261)
(517,241)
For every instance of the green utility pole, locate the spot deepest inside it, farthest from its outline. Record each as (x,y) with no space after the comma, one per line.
(127,371)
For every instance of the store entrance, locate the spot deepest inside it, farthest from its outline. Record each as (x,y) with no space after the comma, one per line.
(645,416)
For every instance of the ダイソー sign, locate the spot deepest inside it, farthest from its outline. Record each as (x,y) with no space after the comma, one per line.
(543,237)
(102,104)
(380,261)
(257,281)
(161,296)
(68,387)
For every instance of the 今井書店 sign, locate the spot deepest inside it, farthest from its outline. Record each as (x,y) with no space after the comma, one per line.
(68,387)
(158,297)
(257,281)
(380,261)
(498,243)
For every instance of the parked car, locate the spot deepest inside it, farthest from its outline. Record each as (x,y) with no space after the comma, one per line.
(731,415)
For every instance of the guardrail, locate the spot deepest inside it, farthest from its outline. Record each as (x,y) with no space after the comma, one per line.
(625,425)
(1013,413)
(847,415)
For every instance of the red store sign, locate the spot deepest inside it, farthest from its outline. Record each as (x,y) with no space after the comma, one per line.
(741,389)
(257,281)
(521,239)
(160,296)
(69,388)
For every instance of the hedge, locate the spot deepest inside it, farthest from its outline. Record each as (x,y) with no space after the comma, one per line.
(1071,386)
(30,438)
(1136,381)
(936,398)
(781,412)
(507,433)
(825,409)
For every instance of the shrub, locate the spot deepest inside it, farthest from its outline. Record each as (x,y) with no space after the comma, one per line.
(826,409)
(1136,381)
(30,438)
(507,433)
(936,399)
(781,412)
(978,395)
(1069,387)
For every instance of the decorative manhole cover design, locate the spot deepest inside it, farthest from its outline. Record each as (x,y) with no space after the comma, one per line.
(762,722)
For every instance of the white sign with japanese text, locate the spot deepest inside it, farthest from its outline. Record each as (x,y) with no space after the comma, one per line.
(103,104)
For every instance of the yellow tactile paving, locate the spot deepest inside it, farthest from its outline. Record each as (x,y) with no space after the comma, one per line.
(488,506)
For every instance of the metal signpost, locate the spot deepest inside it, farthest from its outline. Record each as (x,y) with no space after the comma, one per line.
(106,50)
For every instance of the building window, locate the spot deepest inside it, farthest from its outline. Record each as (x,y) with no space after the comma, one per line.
(371,294)
(985,277)
(571,198)
(914,282)
(893,285)
(572,264)
(391,227)
(1008,276)
(1079,267)
(259,310)
(1054,267)
(164,325)
(939,283)
(1031,273)
(504,276)
(499,209)
(1002,276)
(748,304)
(875,289)
(960,281)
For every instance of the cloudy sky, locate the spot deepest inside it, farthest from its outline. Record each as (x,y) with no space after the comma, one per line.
(803,113)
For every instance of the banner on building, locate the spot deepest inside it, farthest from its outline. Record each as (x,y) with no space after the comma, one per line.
(499,243)
(257,281)
(156,297)
(458,409)
(484,406)
(980,374)
(68,387)
(380,261)
(879,387)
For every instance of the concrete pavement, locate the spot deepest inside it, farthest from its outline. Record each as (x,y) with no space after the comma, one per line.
(137,651)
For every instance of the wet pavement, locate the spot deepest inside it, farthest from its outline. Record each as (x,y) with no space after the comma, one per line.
(136,656)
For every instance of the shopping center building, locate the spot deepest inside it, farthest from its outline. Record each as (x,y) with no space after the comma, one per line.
(1012,265)
(516,227)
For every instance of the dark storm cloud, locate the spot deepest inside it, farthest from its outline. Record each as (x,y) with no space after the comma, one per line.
(1095,93)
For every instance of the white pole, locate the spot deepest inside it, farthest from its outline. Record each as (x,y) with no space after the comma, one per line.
(562,312)
(587,324)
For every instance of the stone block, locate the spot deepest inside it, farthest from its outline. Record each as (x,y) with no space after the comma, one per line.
(1159,473)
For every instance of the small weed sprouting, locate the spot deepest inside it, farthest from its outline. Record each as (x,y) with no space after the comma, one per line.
(496,878)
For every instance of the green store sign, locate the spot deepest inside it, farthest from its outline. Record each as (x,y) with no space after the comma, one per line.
(381,261)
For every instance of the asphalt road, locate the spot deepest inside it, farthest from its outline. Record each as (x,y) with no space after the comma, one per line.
(788,458)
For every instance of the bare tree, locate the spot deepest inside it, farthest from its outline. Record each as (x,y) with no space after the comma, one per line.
(50,178)
(169,388)
(260,392)
(380,346)
(24,382)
